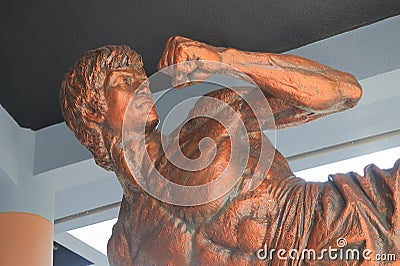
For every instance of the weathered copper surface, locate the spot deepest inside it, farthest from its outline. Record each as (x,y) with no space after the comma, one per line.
(284,212)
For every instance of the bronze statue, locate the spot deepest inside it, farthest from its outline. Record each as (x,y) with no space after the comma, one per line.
(243,227)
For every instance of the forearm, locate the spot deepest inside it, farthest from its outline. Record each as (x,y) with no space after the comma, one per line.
(301,82)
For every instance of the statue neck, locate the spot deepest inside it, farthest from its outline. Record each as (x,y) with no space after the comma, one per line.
(128,157)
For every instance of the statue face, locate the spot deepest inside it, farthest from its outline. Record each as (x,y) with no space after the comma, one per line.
(120,86)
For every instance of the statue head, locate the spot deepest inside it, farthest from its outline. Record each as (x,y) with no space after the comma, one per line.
(95,94)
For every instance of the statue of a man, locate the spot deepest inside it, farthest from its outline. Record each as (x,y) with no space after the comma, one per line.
(242,227)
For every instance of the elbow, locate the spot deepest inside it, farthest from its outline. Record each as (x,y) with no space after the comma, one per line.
(349,96)
(351,92)
(344,95)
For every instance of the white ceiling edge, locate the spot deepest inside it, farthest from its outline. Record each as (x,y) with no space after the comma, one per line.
(384,159)
(9,130)
(365,52)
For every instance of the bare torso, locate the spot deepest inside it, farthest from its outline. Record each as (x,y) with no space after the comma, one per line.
(233,227)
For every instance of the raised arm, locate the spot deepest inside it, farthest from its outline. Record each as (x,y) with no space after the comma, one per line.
(300,82)
(299,89)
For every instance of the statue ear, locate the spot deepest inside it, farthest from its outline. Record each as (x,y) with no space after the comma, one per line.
(95,117)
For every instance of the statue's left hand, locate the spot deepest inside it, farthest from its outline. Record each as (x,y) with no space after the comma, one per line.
(180,50)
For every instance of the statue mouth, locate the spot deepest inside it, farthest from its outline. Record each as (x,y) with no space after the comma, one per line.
(140,105)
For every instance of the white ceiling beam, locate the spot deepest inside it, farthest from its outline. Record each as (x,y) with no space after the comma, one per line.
(75,202)
(82,249)
(9,159)
(73,175)
(365,52)
(55,147)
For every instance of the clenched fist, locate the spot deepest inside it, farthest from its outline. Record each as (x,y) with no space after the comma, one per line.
(189,60)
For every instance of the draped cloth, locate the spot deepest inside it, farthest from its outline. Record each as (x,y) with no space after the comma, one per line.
(362,211)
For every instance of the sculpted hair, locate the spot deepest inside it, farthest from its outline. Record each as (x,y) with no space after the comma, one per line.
(82,96)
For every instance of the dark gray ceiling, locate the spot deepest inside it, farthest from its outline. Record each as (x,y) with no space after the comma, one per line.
(42,39)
